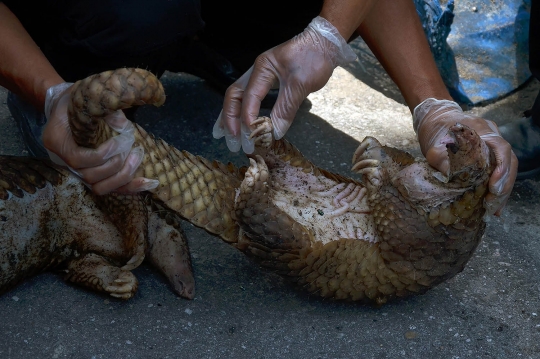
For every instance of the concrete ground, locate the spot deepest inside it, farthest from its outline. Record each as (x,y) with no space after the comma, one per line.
(490,310)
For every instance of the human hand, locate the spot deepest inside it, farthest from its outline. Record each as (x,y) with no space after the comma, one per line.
(111,166)
(299,66)
(433,118)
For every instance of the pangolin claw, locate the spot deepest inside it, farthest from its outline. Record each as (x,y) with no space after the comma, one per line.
(262,132)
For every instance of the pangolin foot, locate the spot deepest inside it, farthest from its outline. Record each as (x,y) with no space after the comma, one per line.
(369,148)
(256,175)
(367,162)
(95,272)
(124,286)
(262,134)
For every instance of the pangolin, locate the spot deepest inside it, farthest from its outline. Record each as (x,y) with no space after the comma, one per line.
(49,218)
(401,230)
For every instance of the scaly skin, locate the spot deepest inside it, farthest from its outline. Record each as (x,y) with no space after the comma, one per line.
(195,188)
(398,232)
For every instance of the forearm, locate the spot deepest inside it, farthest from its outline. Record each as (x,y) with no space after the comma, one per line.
(346,15)
(23,67)
(394,33)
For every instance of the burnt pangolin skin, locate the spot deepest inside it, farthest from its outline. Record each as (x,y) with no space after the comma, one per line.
(400,231)
(49,218)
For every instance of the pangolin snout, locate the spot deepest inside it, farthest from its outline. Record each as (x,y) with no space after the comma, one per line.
(460,138)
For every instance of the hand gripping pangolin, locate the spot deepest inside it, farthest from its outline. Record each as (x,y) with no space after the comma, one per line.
(400,231)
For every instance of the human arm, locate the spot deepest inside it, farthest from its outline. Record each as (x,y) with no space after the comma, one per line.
(299,66)
(25,71)
(394,33)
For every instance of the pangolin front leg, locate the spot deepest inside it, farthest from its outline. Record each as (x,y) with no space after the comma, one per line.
(367,162)
(377,163)
(97,273)
(392,159)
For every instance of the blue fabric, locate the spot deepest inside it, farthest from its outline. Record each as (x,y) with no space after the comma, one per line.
(480,46)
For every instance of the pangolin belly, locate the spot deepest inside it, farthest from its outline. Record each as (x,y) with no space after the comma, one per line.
(400,231)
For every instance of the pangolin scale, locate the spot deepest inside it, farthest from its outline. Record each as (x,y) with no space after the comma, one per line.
(400,231)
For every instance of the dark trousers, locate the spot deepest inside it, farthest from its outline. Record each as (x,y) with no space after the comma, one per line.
(84,37)
(243,29)
(534,54)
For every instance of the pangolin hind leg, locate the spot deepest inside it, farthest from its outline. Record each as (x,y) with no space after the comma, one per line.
(97,273)
(129,214)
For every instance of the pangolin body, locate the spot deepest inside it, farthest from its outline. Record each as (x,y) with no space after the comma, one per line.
(399,231)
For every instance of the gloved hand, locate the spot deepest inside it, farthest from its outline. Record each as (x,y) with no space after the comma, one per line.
(111,166)
(432,119)
(299,66)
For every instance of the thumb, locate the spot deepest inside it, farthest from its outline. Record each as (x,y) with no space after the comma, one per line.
(285,109)
(437,158)
(281,126)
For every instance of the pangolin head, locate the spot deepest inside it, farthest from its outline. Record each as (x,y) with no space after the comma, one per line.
(469,156)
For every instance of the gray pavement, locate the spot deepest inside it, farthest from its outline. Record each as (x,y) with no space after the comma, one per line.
(490,310)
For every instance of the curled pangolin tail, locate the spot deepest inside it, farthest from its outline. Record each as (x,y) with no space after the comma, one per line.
(199,190)
(102,94)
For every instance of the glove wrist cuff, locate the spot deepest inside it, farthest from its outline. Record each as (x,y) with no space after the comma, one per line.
(323,27)
(432,107)
(52,94)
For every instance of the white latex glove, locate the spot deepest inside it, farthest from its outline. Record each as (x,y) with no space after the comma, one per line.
(111,166)
(299,66)
(433,118)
